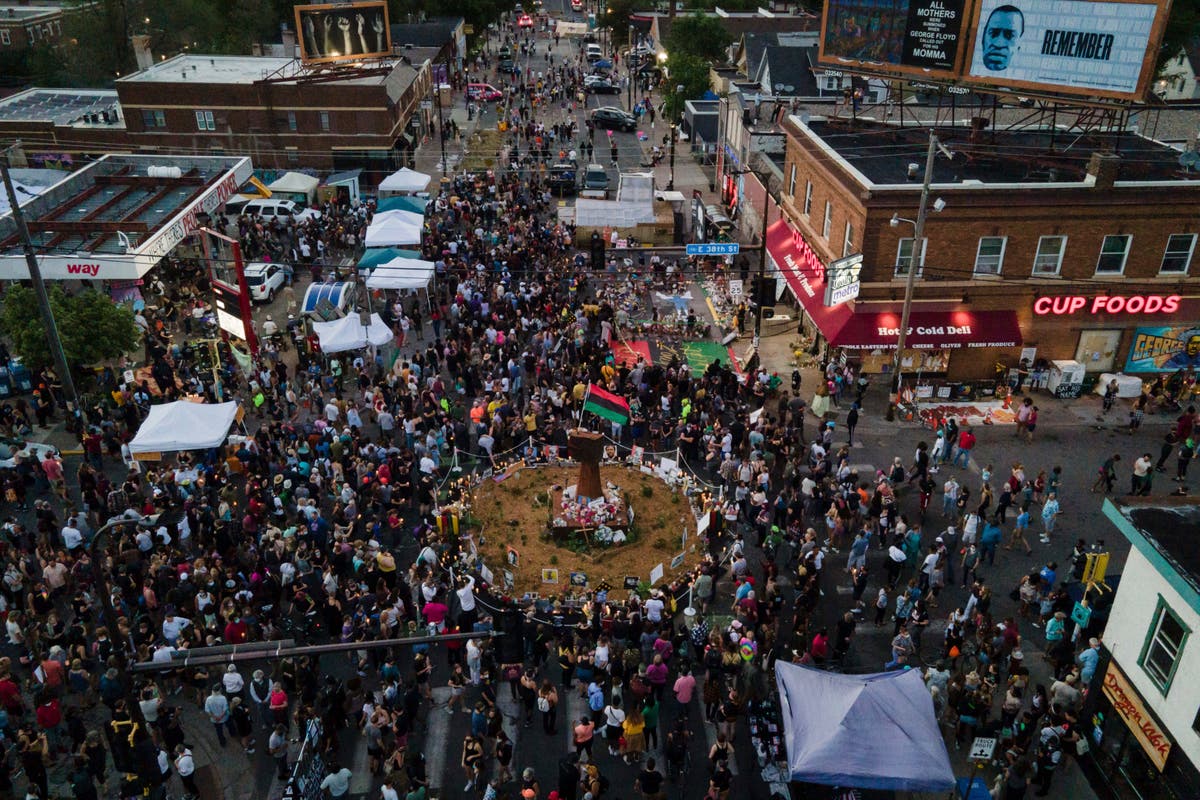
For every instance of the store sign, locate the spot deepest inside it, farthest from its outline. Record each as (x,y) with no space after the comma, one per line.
(804,264)
(1128,704)
(1066,305)
(841,281)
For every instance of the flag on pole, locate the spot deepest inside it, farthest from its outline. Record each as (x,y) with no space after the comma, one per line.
(607,405)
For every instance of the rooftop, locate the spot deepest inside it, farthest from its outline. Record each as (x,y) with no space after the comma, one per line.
(75,107)
(883,153)
(236,70)
(115,205)
(1163,529)
(26,13)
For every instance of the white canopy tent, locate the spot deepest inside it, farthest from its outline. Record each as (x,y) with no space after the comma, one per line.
(402,273)
(181,425)
(348,333)
(296,184)
(394,228)
(404,181)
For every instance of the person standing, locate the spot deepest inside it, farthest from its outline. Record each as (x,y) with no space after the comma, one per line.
(185,765)
(217,709)
(1142,476)
(337,782)
(1108,474)
(1050,512)
(1187,452)
(277,747)
(966,443)
(852,421)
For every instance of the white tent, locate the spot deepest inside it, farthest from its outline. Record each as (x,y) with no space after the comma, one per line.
(402,273)
(348,333)
(295,185)
(394,228)
(181,425)
(404,181)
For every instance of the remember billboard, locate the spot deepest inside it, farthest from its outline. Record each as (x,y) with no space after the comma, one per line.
(1101,48)
(343,32)
(904,37)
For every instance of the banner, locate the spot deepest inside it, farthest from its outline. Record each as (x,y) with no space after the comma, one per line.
(1069,46)
(1164,348)
(916,37)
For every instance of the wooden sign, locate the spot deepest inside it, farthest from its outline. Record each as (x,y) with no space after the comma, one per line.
(1128,704)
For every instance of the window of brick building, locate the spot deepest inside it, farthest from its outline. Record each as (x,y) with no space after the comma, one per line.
(990,255)
(1178,255)
(1048,260)
(1113,253)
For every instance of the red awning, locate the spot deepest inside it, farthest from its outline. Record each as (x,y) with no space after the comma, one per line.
(842,326)
(805,276)
(931,330)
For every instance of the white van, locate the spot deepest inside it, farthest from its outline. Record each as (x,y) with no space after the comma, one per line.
(270,207)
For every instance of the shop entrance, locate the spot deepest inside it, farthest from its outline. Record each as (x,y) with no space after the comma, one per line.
(1097,350)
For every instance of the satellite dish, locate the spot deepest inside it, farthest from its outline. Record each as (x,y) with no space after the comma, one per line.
(778,86)
(790,88)
(1189,159)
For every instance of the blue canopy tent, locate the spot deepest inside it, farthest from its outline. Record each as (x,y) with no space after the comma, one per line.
(403,203)
(874,731)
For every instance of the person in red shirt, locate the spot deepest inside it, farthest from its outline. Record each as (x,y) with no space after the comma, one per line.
(49,718)
(435,614)
(237,632)
(966,443)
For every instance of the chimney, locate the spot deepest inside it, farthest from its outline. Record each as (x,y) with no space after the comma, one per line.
(141,51)
(288,37)
(1104,167)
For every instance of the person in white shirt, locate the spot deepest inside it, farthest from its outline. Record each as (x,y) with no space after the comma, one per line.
(466,604)
(185,765)
(172,626)
(232,681)
(337,783)
(72,537)
(654,607)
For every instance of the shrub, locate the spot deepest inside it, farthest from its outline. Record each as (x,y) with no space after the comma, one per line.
(647,491)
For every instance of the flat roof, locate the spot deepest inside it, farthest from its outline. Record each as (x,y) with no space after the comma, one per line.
(73,107)
(1164,530)
(116,217)
(883,152)
(190,68)
(25,13)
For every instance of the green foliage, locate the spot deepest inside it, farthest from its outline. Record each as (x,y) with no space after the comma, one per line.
(647,491)
(1183,25)
(690,72)
(93,328)
(662,543)
(697,35)
(617,18)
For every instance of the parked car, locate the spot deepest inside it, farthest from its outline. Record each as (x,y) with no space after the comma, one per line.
(602,86)
(264,280)
(595,177)
(562,179)
(506,52)
(524,21)
(508,66)
(34,450)
(611,118)
(483,91)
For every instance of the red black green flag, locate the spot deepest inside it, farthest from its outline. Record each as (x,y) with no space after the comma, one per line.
(607,405)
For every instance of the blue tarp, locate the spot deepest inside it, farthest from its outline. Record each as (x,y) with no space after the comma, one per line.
(403,202)
(862,731)
(374,256)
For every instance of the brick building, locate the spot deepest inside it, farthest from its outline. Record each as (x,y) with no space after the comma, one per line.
(24,25)
(1050,245)
(278,113)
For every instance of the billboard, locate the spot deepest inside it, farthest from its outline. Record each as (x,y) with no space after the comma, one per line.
(1100,48)
(905,37)
(1164,348)
(343,32)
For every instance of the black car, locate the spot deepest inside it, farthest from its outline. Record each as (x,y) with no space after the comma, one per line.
(611,118)
(604,86)
(508,66)
(563,179)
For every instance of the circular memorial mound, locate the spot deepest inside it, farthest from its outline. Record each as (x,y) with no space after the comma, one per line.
(562,530)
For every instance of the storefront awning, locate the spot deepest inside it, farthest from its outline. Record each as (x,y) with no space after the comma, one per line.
(845,327)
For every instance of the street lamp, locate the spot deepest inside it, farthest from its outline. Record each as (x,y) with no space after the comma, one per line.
(675,134)
(631,59)
(915,261)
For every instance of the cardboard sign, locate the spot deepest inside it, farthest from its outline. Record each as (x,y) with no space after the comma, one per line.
(656,574)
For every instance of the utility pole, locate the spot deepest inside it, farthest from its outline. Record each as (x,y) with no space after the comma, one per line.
(915,263)
(437,96)
(675,135)
(39,288)
(765,179)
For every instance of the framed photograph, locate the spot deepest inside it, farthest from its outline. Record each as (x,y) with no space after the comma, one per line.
(610,452)
(579,579)
(550,575)
(631,582)
(514,558)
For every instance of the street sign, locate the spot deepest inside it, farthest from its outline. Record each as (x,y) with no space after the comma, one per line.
(714,249)
(982,749)
(735,289)
(427,105)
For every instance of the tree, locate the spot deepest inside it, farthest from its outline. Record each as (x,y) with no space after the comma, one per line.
(1183,25)
(93,328)
(617,18)
(692,73)
(699,35)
